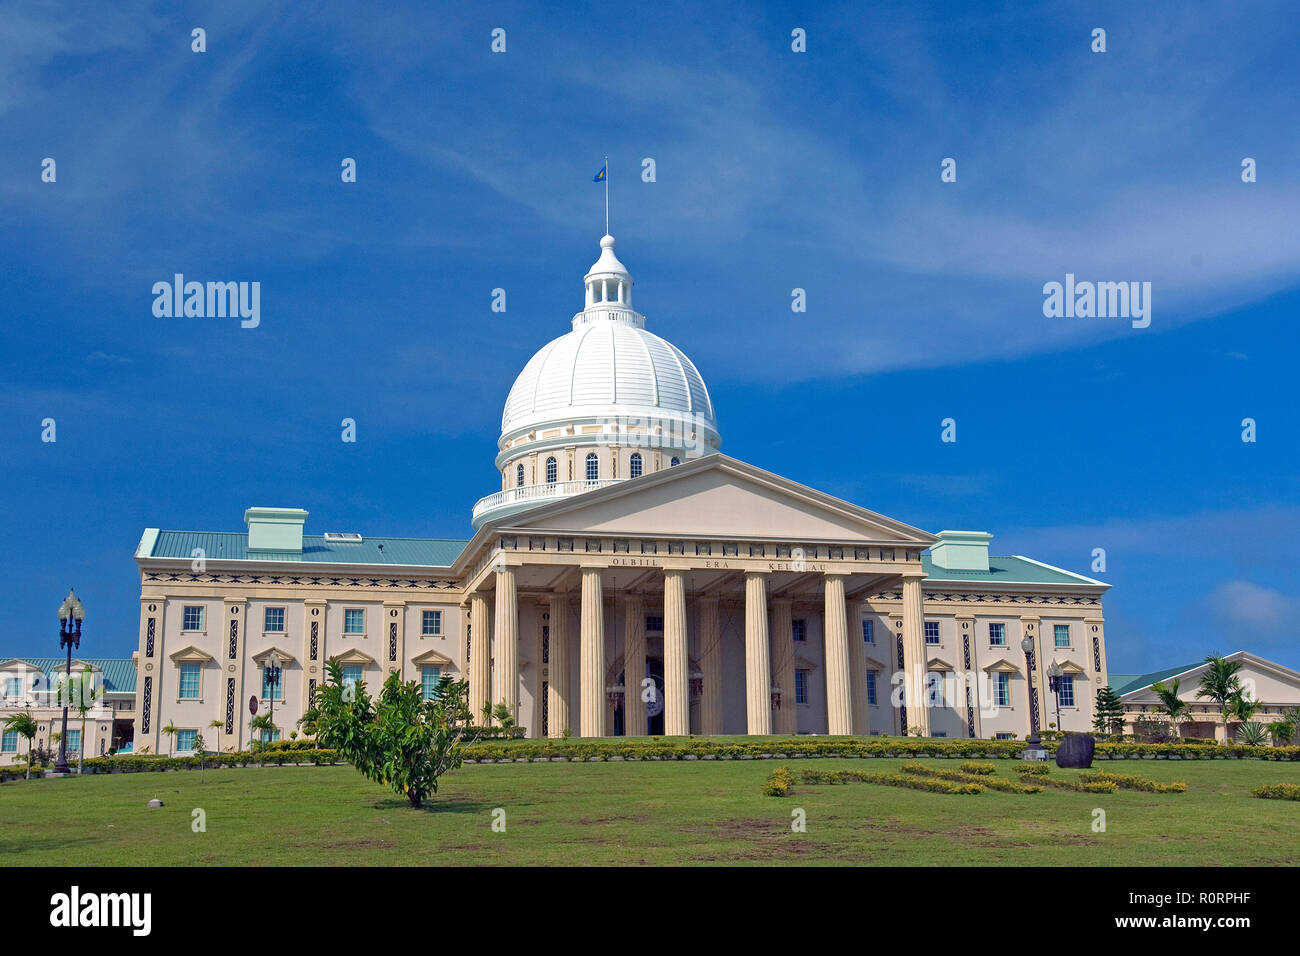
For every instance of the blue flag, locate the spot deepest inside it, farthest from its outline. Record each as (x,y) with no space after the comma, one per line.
(600,176)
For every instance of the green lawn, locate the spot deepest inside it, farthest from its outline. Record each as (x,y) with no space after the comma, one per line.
(693,812)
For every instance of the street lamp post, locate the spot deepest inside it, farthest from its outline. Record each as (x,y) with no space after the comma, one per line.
(273,681)
(71,614)
(1035,749)
(1054,684)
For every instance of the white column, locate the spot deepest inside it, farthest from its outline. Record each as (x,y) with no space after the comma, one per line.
(507,642)
(558,682)
(634,713)
(786,719)
(914,662)
(758,665)
(858,671)
(677,700)
(839,702)
(591,656)
(711,664)
(480,657)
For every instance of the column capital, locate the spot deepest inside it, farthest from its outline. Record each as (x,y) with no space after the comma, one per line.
(917,576)
(751,575)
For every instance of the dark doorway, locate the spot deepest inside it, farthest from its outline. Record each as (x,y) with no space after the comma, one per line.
(654,669)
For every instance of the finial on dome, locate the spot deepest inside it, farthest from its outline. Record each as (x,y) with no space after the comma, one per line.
(608,280)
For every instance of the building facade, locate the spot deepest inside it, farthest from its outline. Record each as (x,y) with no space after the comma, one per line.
(626,579)
(31,684)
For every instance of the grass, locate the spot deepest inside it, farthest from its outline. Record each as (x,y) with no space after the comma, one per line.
(655,813)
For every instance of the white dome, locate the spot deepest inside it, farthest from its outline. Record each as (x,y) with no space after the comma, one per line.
(606,367)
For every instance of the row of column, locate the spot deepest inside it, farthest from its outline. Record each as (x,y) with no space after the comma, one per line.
(846,703)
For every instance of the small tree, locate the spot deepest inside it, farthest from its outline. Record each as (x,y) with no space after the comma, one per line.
(217,725)
(83,691)
(1171,703)
(263,723)
(1108,712)
(503,716)
(1220,684)
(170,731)
(400,739)
(24,725)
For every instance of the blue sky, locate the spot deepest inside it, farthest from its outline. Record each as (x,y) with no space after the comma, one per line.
(775,170)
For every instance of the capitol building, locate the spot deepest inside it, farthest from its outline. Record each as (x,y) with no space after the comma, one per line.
(626,578)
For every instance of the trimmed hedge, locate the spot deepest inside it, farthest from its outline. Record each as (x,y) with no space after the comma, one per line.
(1278,791)
(971,766)
(1128,781)
(957,776)
(779,783)
(1032,769)
(276,758)
(1096,786)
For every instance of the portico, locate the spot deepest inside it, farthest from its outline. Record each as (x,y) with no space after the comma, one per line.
(703,624)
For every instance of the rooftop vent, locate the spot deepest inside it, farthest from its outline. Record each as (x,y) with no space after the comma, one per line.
(343,537)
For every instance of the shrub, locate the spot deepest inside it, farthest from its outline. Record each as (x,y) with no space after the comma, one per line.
(974,766)
(779,783)
(1033,769)
(1278,791)
(1128,781)
(1096,786)
(993,783)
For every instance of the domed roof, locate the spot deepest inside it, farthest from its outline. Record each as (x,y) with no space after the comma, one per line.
(606,367)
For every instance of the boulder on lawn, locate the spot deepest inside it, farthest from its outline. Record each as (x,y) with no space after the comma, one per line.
(1076,751)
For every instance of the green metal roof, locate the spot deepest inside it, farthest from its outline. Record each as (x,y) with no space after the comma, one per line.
(233,546)
(1138,681)
(1005,570)
(119,672)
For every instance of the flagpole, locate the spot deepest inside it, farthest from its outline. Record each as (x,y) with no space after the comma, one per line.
(607,194)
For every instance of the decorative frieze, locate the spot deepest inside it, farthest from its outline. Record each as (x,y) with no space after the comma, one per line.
(184,577)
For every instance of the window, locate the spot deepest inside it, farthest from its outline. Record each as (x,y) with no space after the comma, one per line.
(636,464)
(1062,632)
(354,620)
(675,462)
(1004,736)
(13,686)
(551,468)
(351,675)
(649,547)
(593,467)
(189,685)
(431,622)
(932,632)
(654,622)
(519,476)
(74,740)
(801,687)
(868,631)
(274,619)
(799,629)
(934,689)
(1065,688)
(871,689)
(429,677)
(186,739)
(1002,689)
(269,692)
(9,742)
(192,618)
(998,635)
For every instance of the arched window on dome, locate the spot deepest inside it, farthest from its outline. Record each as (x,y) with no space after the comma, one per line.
(593,467)
(551,470)
(519,477)
(675,462)
(636,464)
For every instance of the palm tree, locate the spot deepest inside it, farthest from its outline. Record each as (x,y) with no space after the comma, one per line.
(263,723)
(1173,705)
(1285,729)
(24,725)
(1242,708)
(217,725)
(1220,684)
(170,731)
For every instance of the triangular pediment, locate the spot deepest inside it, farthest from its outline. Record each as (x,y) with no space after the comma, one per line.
(433,659)
(1002,666)
(717,496)
(354,656)
(261,658)
(191,654)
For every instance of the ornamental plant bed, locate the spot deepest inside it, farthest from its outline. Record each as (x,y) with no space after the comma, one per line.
(1278,791)
(1128,781)
(957,776)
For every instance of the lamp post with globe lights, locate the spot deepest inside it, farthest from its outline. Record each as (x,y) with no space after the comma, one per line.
(1034,749)
(71,614)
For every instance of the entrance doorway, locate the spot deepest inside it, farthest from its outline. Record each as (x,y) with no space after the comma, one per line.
(654,669)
